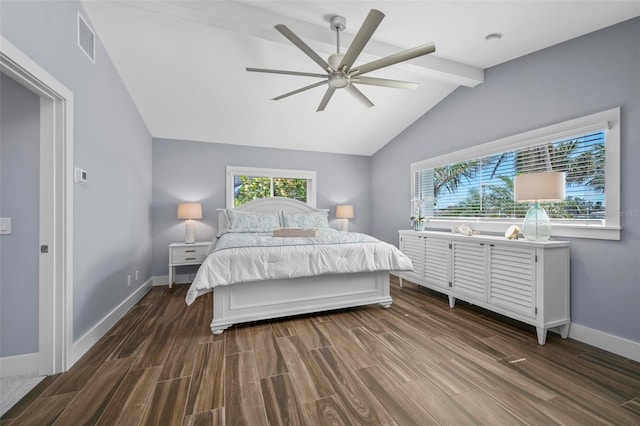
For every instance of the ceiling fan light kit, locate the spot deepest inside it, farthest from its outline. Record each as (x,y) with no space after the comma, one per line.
(340,73)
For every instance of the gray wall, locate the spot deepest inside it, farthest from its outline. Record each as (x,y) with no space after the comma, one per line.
(19,200)
(195,171)
(589,74)
(112,227)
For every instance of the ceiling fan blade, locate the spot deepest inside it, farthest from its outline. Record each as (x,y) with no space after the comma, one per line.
(365,32)
(305,74)
(373,81)
(359,95)
(311,86)
(395,58)
(325,99)
(303,46)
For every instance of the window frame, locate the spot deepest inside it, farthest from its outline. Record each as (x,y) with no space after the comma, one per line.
(232,171)
(608,120)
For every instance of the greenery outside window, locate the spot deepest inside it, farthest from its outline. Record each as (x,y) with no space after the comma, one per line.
(475,186)
(245,184)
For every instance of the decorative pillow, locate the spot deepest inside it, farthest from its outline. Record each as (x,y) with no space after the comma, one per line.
(240,221)
(305,220)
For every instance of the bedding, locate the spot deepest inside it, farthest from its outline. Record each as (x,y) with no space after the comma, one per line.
(240,221)
(239,257)
(305,220)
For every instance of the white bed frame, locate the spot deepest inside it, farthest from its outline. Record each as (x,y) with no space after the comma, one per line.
(260,300)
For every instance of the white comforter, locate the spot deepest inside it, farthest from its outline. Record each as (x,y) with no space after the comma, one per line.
(256,257)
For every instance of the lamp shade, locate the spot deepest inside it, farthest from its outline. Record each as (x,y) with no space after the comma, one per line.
(189,211)
(544,186)
(344,212)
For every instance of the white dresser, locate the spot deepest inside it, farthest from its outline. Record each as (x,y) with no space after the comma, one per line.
(524,280)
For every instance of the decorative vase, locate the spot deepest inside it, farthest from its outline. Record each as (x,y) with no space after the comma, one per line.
(418,225)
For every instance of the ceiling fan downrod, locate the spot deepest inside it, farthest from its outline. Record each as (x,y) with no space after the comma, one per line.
(338,79)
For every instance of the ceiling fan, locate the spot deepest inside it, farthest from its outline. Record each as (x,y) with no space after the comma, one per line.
(340,72)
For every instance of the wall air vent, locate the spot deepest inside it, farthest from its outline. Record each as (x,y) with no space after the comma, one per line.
(86,39)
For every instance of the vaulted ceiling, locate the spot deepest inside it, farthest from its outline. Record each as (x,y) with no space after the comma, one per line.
(184,62)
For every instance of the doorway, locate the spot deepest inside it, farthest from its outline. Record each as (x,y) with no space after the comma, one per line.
(55,286)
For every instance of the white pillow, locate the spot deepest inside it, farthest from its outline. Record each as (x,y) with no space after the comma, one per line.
(306,220)
(240,221)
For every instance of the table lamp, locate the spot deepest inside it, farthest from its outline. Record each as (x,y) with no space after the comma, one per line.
(344,212)
(189,211)
(536,187)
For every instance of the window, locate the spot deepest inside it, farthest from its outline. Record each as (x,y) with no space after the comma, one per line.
(476,185)
(245,184)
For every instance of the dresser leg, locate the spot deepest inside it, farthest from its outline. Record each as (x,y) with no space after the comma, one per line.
(542,335)
(564,331)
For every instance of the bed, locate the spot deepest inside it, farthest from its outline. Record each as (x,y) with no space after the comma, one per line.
(276,277)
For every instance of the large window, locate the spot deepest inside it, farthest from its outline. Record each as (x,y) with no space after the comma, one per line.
(476,185)
(245,184)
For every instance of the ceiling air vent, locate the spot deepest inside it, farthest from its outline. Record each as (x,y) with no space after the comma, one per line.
(86,39)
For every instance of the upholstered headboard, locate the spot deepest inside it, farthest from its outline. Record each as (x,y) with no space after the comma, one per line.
(267,205)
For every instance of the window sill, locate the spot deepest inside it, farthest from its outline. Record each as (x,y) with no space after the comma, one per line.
(597,232)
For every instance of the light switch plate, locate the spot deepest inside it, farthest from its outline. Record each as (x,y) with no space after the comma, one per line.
(80,175)
(5,225)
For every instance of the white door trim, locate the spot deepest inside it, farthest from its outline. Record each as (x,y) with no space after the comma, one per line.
(56,206)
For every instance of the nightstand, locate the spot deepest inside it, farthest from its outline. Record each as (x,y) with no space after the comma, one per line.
(183,254)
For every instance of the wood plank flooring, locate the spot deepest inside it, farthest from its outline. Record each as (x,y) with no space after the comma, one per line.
(417,363)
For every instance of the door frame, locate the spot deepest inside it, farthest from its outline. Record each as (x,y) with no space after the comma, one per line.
(56,207)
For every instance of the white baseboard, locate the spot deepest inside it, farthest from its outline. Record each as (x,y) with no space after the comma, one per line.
(608,342)
(20,365)
(180,279)
(83,344)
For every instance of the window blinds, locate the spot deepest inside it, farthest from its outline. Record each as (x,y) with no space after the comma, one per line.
(483,187)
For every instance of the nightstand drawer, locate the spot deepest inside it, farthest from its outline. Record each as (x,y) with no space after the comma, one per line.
(188,254)
(187,258)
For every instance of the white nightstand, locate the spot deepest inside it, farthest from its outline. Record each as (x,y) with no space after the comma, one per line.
(183,254)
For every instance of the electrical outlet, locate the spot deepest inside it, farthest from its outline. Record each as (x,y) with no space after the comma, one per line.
(128,280)
(137,275)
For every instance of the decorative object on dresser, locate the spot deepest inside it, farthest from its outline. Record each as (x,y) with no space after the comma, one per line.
(344,212)
(521,279)
(188,212)
(536,187)
(512,232)
(418,219)
(184,254)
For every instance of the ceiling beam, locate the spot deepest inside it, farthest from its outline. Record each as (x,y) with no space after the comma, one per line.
(259,23)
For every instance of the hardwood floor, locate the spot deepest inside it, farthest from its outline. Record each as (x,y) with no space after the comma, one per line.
(417,363)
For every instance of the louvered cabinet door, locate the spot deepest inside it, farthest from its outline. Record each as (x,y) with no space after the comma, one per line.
(468,273)
(512,279)
(436,262)
(413,247)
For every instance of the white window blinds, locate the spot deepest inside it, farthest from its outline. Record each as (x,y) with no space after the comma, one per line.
(483,187)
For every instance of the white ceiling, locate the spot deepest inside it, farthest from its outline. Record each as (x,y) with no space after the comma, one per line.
(184,62)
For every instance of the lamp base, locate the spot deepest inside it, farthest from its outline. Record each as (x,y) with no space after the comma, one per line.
(536,225)
(345,225)
(189,231)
